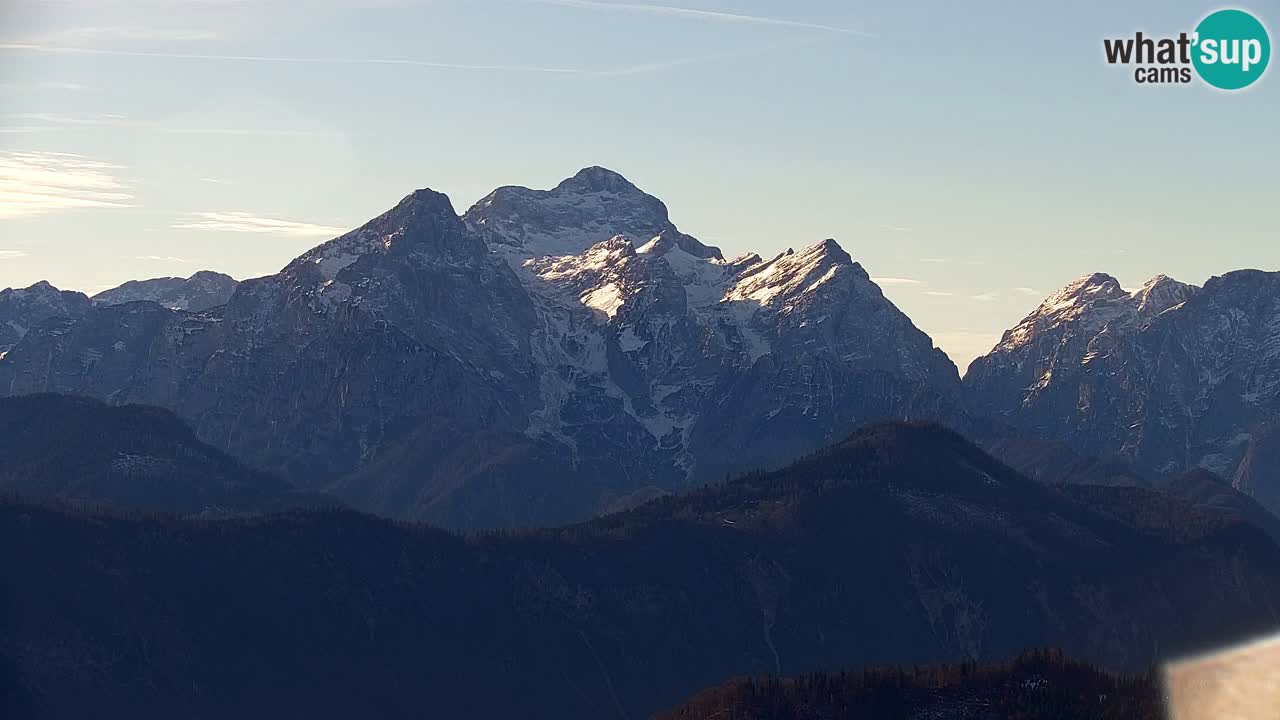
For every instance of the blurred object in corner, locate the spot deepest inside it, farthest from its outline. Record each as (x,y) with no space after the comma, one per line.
(1241,683)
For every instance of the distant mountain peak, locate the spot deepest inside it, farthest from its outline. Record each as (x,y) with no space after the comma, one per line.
(598,179)
(24,308)
(210,275)
(832,249)
(1170,376)
(203,290)
(426,200)
(593,205)
(422,216)
(1161,293)
(1089,302)
(1093,286)
(423,223)
(40,288)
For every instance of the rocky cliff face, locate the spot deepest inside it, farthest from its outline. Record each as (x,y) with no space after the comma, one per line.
(1171,376)
(546,355)
(201,291)
(23,309)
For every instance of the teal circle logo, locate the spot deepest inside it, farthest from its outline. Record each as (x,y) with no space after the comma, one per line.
(1231,49)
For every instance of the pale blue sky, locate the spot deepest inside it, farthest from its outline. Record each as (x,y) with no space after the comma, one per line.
(974,156)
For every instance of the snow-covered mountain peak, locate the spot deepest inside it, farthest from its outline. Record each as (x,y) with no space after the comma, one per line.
(609,272)
(423,223)
(1170,376)
(203,290)
(793,273)
(1089,303)
(1084,290)
(596,179)
(588,267)
(593,205)
(1159,294)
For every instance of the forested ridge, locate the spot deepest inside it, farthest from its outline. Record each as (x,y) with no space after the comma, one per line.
(903,545)
(1038,685)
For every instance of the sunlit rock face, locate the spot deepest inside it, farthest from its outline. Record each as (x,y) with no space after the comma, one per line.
(1170,377)
(1241,683)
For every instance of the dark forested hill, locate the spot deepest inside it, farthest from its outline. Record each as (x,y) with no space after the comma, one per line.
(132,456)
(1042,685)
(1054,463)
(903,544)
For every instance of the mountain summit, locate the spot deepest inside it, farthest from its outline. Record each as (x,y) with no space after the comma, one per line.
(590,206)
(201,291)
(24,308)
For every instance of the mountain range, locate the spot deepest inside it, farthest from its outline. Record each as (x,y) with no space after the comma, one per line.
(543,357)
(701,440)
(548,355)
(1170,377)
(201,291)
(903,544)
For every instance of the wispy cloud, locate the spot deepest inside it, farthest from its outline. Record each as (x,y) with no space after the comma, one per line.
(122,33)
(289,59)
(672,63)
(938,293)
(985,297)
(895,281)
(163,259)
(36,183)
(944,261)
(215,181)
(962,346)
(269,132)
(243,222)
(1029,292)
(709,15)
(53,122)
(11,254)
(111,119)
(634,69)
(42,85)
(896,228)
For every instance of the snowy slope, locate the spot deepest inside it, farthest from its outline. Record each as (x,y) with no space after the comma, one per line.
(1171,376)
(201,291)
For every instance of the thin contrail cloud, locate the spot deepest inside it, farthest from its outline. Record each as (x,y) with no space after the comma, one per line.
(402,62)
(710,15)
(291,59)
